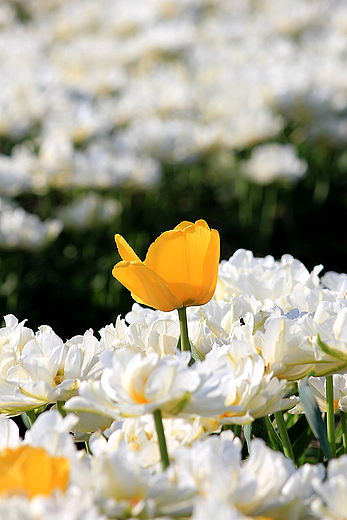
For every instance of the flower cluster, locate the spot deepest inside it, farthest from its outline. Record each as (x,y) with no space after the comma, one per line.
(173,432)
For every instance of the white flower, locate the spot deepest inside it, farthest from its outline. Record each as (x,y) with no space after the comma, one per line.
(140,436)
(235,390)
(9,433)
(285,348)
(74,504)
(44,370)
(159,335)
(327,332)
(13,337)
(52,424)
(336,282)
(266,279)
(266,485)
(89,210)
(331,503)
(318,386)
(23,230)
(271,162)
(135,385)
(123,487)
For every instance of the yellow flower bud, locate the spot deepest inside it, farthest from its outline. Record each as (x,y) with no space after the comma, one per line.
(180,268)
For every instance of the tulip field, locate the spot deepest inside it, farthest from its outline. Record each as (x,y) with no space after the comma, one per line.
(173,287)
(222,394)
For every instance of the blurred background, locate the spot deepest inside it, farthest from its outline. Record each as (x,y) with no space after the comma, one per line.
(129,116)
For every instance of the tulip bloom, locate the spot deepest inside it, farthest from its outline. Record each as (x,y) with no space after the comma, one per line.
(180,268)
(32,471)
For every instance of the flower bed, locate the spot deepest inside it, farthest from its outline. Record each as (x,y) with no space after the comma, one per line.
(223,423)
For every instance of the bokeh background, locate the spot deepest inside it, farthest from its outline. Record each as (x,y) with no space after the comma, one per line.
(129,116)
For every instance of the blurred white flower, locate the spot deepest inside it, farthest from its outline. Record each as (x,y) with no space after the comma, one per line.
(75,504)
(336,282)
(23,230)
(271,162)
(88,210)
(140,436)
(9,434)
(266,485)
(165,82)
(124,488)
(331,502)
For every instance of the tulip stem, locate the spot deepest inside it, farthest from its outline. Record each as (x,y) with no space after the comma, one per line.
(329,389)
(182,314)
(282,430)
(344,430)
(161,439)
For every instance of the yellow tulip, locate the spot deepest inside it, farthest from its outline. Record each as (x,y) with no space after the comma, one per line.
(32,471)
(180,268)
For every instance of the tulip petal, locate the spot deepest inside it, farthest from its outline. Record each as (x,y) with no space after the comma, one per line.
(146,285)
(178,257)
(186,223)
(183,225)
(210,269)
(126,252)
(202,223)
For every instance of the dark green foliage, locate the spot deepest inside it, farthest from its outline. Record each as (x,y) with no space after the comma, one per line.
(69,284)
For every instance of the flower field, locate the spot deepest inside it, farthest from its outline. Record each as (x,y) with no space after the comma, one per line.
(217,411)
(200,372)
(130,116)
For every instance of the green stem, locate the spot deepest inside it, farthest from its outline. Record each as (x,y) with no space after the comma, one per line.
(86,443)
(237,430)
(330,414)
(344,430)
(161,438)
(281,425)
(182,314)
(61,409)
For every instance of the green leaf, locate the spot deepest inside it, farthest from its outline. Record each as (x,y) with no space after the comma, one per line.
(195,353)
(28,418)
(313,416)
(258,428)
(247,431)
(275,439)
(300,436)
